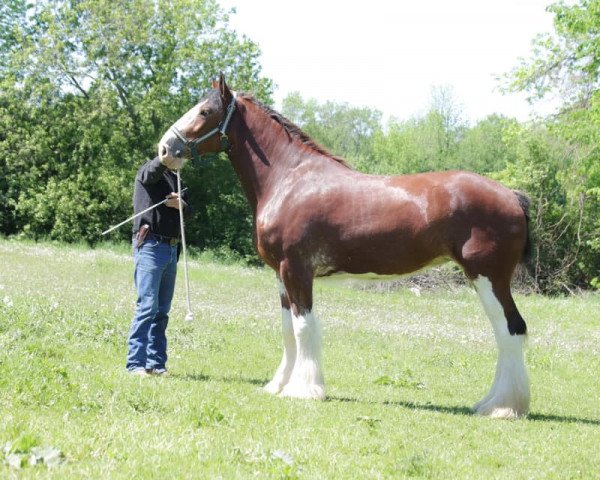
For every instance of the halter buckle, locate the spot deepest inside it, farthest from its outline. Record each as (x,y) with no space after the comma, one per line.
(224,143)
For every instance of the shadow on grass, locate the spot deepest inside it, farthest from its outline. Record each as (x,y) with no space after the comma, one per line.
(458,410)
(201,377)
(190,377)
(453,410)
(543,417)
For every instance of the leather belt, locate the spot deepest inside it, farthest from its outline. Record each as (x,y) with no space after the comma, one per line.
(162,239)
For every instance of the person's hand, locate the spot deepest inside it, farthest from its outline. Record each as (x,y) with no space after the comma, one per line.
(173,201)
(172,163)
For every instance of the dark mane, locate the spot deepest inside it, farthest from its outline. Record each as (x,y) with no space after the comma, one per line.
(294,130)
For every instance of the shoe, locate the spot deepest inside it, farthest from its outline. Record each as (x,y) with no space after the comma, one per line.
(139,372)
(159,372)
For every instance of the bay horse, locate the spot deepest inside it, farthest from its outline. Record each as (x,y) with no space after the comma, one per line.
(314,216)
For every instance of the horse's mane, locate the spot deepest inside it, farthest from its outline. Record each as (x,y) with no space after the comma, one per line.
(294,130)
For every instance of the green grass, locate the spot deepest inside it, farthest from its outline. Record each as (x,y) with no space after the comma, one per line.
(402,372)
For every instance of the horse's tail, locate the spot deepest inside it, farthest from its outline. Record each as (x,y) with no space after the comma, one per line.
(525,203)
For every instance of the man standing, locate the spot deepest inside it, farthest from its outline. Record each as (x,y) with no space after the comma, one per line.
(156,236)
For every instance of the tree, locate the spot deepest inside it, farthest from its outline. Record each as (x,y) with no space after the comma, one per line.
(87,95)
(567,64)
(445,120)
(422,144)
(12,17)
(538,168)
(345,130)
(487,147)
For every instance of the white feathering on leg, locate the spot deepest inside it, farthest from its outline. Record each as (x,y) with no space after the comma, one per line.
(509,394)
(306,380)
(282,375)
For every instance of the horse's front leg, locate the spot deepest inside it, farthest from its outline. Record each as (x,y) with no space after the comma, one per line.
(284,371)
(306,380)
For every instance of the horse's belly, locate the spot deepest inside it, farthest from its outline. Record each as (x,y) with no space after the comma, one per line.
(373,272)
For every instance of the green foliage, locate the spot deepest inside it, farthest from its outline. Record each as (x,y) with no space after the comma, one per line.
(420,144)
(581,129)
(487,147)
(541,168)
(87,95)
(345,130)
(12,14)
(222,220)
(568,63)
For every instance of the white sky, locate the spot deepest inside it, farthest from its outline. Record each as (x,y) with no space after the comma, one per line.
(387,54)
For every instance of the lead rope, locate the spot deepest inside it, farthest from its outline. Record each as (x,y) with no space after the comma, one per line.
(190,315)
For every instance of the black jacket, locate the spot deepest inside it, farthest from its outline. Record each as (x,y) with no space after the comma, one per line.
(153,183)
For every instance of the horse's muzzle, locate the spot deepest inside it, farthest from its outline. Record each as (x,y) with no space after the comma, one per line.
(172,147)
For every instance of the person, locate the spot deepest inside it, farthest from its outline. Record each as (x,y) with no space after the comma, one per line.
(156,236)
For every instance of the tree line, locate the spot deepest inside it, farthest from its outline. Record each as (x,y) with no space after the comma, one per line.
(87,87)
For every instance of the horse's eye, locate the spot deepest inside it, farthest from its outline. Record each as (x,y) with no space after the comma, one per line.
(204,113)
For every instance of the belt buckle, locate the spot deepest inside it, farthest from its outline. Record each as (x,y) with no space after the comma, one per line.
(173,241)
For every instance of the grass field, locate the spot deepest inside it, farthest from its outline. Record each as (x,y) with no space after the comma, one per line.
(402,372)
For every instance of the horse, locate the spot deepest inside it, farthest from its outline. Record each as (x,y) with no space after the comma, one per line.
(314,216)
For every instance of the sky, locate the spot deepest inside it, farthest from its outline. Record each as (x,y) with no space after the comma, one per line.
(388,54)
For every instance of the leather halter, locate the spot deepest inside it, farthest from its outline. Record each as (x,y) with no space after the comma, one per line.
(221,128)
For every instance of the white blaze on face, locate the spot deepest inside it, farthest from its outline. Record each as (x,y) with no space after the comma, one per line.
(188,117)
(183,123)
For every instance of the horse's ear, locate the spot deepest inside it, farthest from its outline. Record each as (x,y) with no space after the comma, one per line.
(214,84)
(223,88)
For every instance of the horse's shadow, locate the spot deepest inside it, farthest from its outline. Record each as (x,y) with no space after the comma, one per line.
(449,409)
(454,410)
(462,410)
(544,417)
(201,377)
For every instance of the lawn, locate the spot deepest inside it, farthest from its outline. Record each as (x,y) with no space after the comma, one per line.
(402,369)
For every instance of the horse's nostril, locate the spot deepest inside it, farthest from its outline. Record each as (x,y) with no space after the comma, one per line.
(163,151)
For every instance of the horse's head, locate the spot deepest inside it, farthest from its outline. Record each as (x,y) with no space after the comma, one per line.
(202,129)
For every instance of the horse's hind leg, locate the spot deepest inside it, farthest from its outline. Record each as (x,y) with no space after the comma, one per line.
(306,379)
(509,395)
(282,375)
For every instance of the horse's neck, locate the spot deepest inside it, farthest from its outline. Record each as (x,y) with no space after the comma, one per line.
(262,152)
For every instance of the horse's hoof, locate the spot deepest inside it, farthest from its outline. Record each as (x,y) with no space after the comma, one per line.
(489,409)
(272,387)
(310,392)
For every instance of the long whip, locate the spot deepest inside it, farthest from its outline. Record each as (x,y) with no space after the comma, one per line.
(190,315)
(137,215)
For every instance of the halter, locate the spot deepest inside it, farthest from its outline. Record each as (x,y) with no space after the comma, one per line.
(221,128)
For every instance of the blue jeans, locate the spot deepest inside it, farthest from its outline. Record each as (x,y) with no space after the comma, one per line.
(154,276)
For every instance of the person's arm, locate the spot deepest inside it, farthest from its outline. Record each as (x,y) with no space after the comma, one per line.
(151,172)
(173,202)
